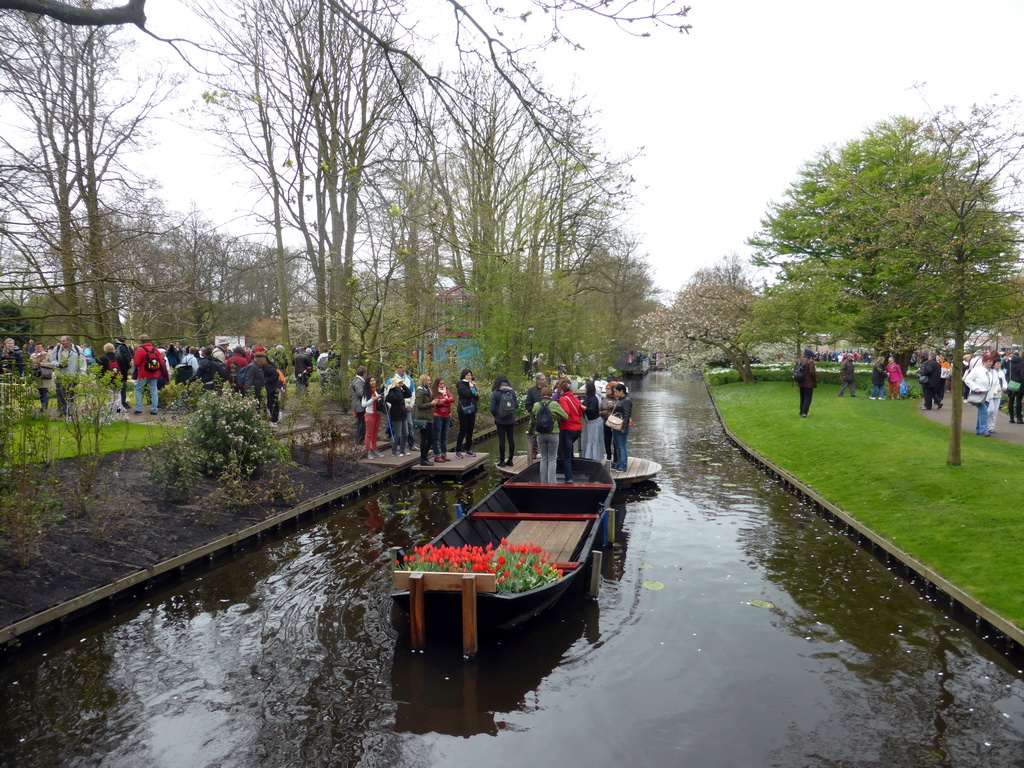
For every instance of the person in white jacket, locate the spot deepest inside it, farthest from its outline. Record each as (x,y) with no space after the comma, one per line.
(69,365)
(995,395)
(979,382)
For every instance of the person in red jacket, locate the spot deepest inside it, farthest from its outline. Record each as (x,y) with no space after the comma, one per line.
(570,428)
(235,363)
(443,400)
(150,365)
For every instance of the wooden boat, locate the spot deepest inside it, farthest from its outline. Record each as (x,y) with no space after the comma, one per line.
(564,519)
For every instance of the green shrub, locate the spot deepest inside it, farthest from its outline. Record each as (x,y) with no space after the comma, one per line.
(29,491)
(229,429)
(174,466)
(224,431)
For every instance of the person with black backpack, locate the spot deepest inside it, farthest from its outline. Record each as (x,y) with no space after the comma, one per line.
(504,404)
(212,373)
(187,367)
(544,423)
(123,355)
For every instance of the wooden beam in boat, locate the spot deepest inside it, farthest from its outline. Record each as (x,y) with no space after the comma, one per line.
(559,485)
(443,581)
(552,517)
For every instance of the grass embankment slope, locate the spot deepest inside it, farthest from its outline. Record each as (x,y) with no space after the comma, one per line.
(885,464)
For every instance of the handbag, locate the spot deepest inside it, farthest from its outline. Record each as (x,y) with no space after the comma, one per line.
(1013,386)
(468,409)
(615,422)
(924,378)
(904,388)
(977,398)
(419,423)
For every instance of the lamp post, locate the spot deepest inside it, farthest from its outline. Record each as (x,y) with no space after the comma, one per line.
(530,329)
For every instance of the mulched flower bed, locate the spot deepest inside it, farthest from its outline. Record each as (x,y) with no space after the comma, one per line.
(128,526)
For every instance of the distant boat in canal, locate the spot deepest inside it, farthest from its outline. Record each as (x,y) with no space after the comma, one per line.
(564,519)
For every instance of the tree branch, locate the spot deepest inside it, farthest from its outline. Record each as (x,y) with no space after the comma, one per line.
(134,12)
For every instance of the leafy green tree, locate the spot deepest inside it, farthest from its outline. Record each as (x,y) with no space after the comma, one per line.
(916,225)
(836,223)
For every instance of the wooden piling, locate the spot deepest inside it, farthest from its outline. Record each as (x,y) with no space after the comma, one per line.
(470,643)
(417,619)
(595,573)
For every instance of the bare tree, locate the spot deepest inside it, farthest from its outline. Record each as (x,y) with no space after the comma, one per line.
(64,166)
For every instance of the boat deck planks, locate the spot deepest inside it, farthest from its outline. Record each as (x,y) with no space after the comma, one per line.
(557,538)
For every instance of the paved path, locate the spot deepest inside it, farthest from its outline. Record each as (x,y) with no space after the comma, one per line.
(1011,433)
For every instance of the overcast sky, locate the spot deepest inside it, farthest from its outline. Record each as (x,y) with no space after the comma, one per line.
(726,114)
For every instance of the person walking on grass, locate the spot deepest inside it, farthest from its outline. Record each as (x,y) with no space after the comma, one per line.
(847,376)
(806,378)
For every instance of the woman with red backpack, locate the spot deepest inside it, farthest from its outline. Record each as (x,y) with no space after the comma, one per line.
(149,364)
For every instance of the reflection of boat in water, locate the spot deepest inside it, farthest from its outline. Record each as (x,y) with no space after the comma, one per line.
(564,519)
(637,470)
(446,693)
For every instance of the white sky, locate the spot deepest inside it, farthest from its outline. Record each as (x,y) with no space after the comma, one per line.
(727,114)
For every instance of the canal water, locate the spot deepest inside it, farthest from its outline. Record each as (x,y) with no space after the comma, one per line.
(773,641)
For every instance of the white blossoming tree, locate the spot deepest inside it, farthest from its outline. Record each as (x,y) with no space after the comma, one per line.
(711,318)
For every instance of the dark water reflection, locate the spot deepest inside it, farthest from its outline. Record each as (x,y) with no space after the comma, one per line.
(287,656)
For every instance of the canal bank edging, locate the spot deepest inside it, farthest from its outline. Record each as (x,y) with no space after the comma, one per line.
(959,601)
(12,634)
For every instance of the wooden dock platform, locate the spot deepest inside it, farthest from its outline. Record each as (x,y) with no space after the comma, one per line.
(389,461)
(637,470)
(453,467)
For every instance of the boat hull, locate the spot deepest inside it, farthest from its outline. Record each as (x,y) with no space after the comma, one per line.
(497,516)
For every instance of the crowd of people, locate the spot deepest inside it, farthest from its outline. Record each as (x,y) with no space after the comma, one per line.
(593,423)
(426,407)
(148,368)
(988,377)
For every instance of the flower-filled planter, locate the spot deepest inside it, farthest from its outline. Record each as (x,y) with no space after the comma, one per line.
(516,567)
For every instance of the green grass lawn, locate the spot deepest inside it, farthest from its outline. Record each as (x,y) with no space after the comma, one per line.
(119,436)
(885,464)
